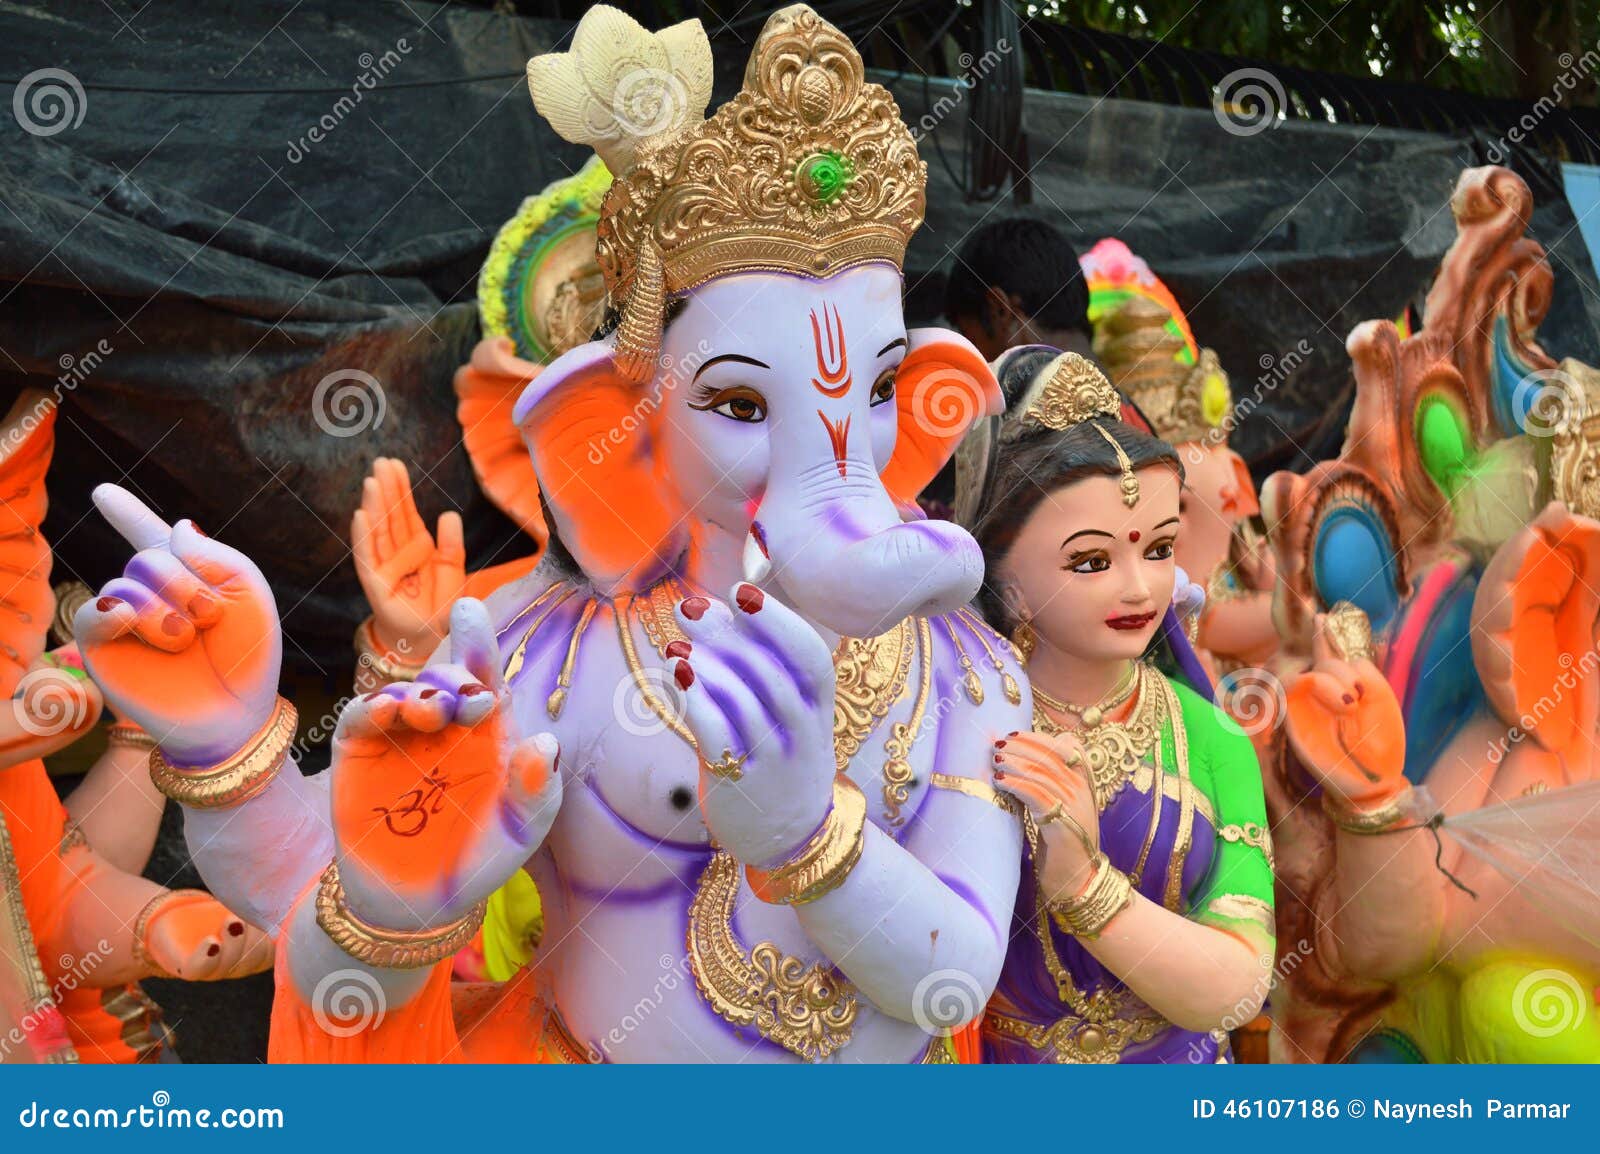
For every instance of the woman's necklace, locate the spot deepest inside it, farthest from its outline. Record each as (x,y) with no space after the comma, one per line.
(1093,715)
(1113,749)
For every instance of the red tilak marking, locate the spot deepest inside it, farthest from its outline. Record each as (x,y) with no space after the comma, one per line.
(840,436)
(1134,536)
(833,364)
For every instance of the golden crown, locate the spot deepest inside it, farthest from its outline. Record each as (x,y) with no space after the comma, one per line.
(808,170)
(1073,390)
(1183,402)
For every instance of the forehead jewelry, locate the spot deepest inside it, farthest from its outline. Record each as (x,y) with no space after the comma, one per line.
(1130,482)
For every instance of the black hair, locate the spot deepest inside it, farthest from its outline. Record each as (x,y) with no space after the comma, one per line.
(1041,462)
(1023,257)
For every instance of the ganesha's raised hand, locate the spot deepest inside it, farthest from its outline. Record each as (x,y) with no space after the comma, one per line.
(410,578)
(436,799)
(756,684)
(1344,722)
(186,641)
(1047,775)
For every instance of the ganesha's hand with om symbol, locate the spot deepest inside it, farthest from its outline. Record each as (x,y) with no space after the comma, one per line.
(436,798)
(186,641)
(756,685)
(1343,720)
(1046,774)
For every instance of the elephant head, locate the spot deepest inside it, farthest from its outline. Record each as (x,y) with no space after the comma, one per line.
(789,427)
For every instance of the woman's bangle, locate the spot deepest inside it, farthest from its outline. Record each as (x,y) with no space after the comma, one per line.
(822,864)
(236,779)
(1386,817)
(1109,892)
(370,654)
(384,948)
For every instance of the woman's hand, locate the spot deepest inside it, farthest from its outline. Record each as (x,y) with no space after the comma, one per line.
(1046,774)
(410,579)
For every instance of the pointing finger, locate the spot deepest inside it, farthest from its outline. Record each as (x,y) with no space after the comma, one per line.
(131,517)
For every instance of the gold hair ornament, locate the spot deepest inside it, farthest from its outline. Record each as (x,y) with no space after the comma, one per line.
(1075,391)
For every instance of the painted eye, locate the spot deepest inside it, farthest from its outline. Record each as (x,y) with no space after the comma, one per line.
(883,389)
(1160,551)
(739,403)
(1093,563)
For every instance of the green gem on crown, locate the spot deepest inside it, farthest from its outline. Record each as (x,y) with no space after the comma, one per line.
(822,176)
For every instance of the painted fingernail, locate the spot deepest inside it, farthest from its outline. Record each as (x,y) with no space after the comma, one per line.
(213,950)
(678,648)
(760,535)
(200,605)
(1347,699)
(472,690)
(1013,733)
(427,693)
(1361,690)
(999,775)
(107,604)
(683,675)
(172,625)
(749,598)
(236,929)
(695,608)
(196,527)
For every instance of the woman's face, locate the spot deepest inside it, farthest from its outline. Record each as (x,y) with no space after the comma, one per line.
(1093,575)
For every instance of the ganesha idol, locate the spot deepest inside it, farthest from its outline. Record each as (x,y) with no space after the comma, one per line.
(1436,599)
(800,858)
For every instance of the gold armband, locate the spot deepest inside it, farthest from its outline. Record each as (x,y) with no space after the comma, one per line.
(1386,817)
(126,735)
(822,864)
(237,779)
(372,655)
(154,908)
(1086,915)
(388,949)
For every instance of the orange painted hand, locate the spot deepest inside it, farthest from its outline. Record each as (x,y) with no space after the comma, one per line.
(1048,775)
(410,579)
(186,642)
(1345,725)
(195,937)
(436,799)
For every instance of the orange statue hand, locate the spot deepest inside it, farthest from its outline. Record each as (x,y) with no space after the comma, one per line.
(436,801)
(186,641)
(195,937)
(1345,725)
(1047,775)
(410,579)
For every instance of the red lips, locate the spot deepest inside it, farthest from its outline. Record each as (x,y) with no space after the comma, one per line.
(1132,621)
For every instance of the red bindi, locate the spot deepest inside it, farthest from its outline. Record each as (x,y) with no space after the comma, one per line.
(1134,536)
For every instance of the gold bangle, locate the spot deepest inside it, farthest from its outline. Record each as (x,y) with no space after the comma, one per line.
(1085,916)
(822,864)
(388,949)
(1385,817)
(153,908)
(126,735)
(372,655)
(236,779)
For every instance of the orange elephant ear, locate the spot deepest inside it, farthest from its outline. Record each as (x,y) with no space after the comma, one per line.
(944,385)
(592,437)
(486,391)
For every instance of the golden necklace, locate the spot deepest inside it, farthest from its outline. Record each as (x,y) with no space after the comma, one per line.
(1113,749)
(1092,715)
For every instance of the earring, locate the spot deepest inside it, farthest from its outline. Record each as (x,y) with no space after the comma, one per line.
(1024,639)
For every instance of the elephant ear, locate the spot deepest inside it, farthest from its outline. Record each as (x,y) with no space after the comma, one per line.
(487,388)
(944,385)
(592,438)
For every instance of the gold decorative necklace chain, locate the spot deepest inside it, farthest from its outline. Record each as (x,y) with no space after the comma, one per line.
(1092,715)
(1113,749)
